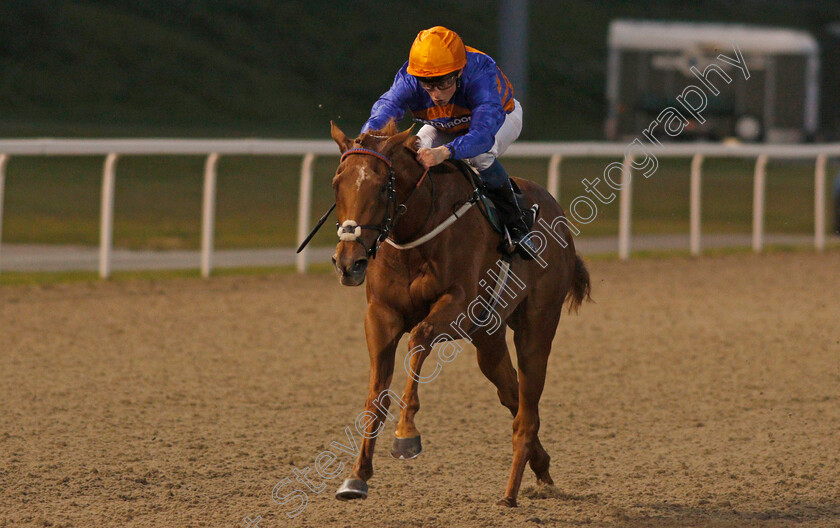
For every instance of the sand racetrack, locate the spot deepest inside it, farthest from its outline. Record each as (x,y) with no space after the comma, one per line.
(692,393)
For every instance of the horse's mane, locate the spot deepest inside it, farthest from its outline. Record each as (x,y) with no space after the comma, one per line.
(390,129)
(371,138)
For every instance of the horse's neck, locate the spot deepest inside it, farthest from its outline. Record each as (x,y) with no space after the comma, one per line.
(427,209)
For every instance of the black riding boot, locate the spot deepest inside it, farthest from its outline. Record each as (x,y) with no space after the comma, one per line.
(509,212)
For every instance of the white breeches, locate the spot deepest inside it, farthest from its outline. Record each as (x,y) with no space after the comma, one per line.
(430,137)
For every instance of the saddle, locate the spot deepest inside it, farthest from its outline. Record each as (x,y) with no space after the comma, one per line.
(486,205)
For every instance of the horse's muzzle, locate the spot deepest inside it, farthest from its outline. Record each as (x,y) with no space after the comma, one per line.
(350,270)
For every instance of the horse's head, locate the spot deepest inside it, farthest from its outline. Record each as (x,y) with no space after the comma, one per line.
(365,197)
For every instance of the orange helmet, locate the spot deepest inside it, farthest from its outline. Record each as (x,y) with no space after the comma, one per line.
(436,51)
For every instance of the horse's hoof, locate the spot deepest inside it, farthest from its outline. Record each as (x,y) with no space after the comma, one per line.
(507,501)
(406,448)
(352,489)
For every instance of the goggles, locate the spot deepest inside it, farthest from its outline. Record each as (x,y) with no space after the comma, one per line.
(444,82)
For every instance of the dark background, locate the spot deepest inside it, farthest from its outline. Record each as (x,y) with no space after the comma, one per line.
(285,69)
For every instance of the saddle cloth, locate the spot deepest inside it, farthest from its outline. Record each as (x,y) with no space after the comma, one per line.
(489,208)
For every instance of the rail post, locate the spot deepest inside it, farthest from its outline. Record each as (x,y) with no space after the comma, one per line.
(106,230)
(819,203)
(696,203)
(304,208)
(554,176)
(4,159)
(624,209)
(759,184)
(208,214)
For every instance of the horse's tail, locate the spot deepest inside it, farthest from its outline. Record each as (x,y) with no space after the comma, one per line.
(581,286)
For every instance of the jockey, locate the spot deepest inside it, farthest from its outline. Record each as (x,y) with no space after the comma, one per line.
(468,112)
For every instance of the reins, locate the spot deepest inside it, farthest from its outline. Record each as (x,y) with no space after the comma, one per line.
(431,207)
(350,231)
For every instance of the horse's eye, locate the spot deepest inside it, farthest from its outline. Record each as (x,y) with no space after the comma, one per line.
(383,189)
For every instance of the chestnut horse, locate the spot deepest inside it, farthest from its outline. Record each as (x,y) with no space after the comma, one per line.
(385,200)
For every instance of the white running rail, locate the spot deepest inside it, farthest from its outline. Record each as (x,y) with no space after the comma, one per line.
(556,153)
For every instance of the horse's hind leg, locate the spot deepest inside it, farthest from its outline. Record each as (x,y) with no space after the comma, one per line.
(494,361)
(534,331)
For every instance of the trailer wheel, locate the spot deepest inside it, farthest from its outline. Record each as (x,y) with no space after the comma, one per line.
(748,128)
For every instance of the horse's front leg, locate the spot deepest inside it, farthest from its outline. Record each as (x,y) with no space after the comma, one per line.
(445,310)
(383,329)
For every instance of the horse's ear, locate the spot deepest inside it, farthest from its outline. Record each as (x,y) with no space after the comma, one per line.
(340,137)
(398,139)
(411,143)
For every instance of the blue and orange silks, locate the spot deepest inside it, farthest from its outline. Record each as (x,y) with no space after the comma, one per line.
(475,112)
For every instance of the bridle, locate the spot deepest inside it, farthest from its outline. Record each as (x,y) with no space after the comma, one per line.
(351,231)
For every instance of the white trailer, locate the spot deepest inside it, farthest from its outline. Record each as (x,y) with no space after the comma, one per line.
(650,64)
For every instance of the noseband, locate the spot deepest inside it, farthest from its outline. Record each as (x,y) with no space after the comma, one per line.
(350,231)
